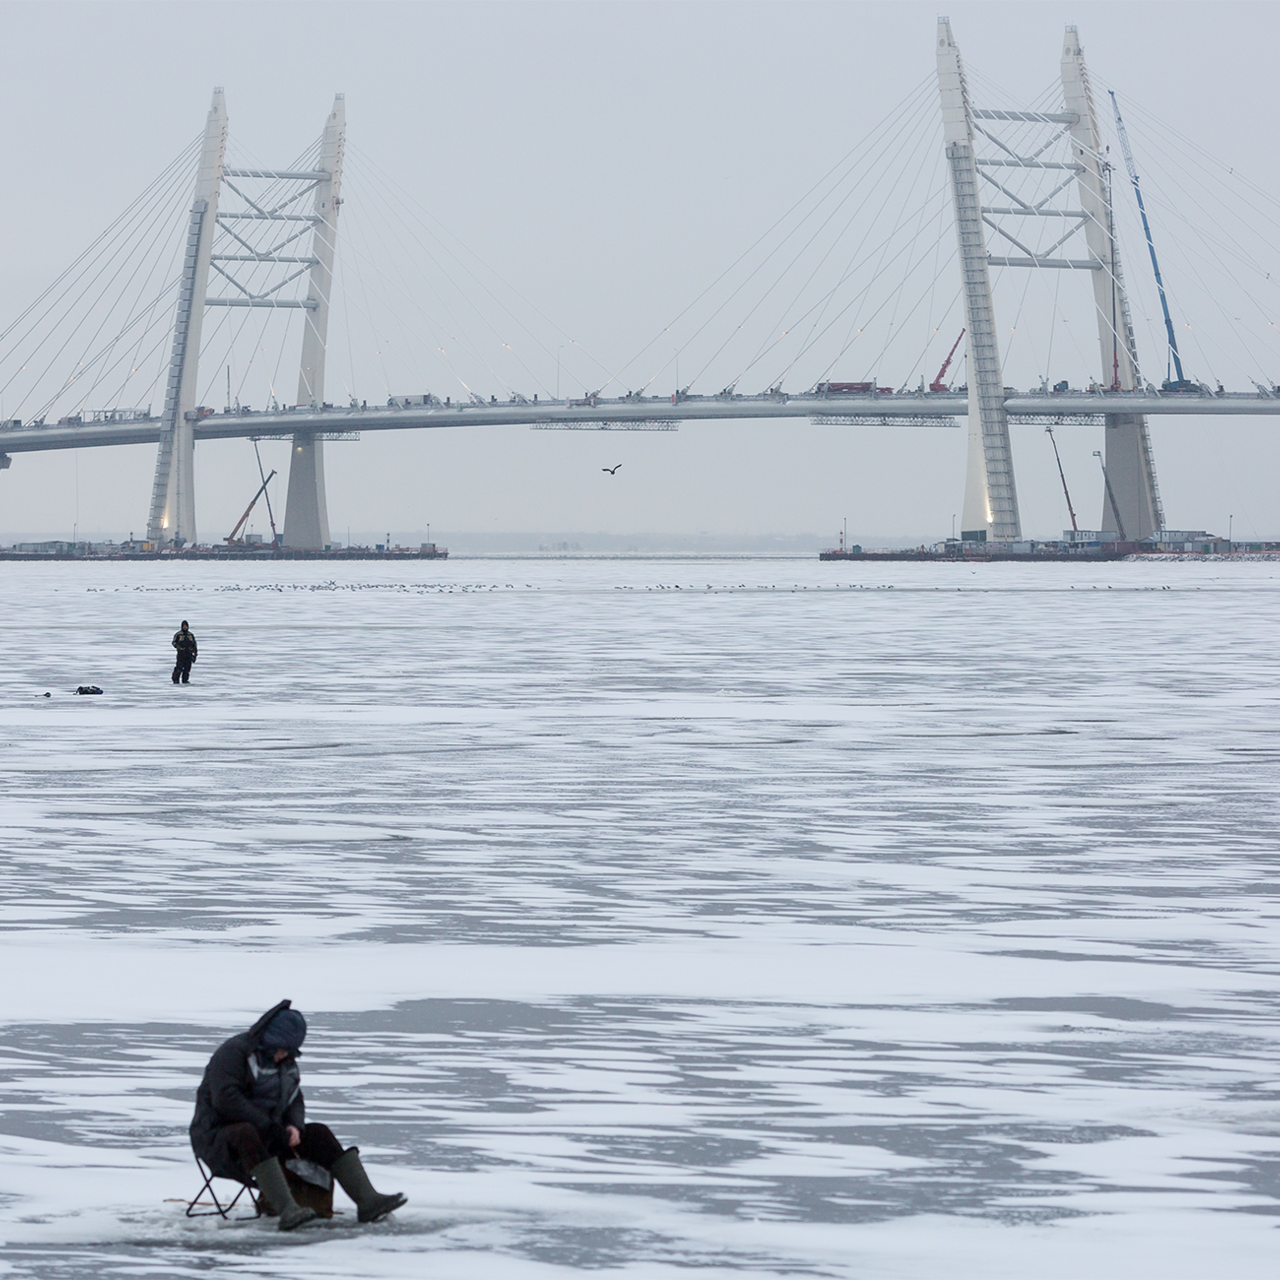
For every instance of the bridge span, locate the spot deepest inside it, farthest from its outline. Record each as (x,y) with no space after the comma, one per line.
(985,150)
(912,409)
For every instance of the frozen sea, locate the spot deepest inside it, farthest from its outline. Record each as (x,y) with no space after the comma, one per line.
(656,918)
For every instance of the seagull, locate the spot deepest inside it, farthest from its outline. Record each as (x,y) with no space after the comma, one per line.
(613,471)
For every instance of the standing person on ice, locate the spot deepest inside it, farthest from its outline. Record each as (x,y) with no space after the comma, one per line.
(184,641)
(250,1114)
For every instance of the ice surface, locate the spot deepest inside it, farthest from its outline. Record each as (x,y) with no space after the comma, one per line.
(706,917)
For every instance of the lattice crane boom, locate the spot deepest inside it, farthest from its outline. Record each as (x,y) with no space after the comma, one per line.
(1146,227)
(937,384)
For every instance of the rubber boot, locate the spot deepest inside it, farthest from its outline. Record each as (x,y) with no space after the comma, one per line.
(270,1178)
(352,1178)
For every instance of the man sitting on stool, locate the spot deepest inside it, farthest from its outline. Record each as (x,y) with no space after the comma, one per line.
(250,1115)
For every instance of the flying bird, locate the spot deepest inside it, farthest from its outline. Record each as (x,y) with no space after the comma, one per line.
(613,471)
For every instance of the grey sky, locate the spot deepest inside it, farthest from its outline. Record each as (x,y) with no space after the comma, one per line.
(607,161)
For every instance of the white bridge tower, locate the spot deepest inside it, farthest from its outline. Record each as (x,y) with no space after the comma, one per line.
(990,498)
(173,521)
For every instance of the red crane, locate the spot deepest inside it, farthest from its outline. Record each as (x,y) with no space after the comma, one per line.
(937,384)
(234,536)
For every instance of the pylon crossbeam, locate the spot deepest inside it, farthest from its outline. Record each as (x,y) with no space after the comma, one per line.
(305,304)
(1050,264)
(1030,211)
(1027,164)
(1028,117)
(267,217)
(279,175)
(256,257)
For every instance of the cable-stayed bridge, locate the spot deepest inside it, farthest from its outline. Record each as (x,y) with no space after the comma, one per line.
(263,241)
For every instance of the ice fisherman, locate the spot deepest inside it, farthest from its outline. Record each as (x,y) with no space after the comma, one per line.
(250,1114)
(184,641)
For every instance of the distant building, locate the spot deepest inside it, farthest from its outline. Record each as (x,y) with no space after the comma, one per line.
(1187,541)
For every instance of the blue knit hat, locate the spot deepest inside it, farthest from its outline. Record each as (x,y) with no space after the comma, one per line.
(287,1030)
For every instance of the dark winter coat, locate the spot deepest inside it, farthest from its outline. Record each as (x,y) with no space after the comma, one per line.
(185,643)
(239,1086)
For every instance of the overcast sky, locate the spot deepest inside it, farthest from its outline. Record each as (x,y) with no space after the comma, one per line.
(607,161)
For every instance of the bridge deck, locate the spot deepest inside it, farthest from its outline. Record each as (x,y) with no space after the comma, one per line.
(913,409)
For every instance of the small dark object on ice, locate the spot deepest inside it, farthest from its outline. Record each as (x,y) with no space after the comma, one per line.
(48,695)
(85,688)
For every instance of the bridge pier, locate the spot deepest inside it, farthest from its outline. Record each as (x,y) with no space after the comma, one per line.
(306,512)
(1131,479)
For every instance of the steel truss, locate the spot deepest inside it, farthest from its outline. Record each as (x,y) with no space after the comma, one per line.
(1059,419)
(303,184)
(879,420)
(611,424)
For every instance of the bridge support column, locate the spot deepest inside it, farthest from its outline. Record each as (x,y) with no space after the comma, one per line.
(1131,474)
(306,515)
(990,495)
(1129,462)
(173,508)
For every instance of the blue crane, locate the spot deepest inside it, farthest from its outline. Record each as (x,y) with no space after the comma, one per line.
(1180,383)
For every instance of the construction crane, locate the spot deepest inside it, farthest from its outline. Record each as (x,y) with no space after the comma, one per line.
(1180,383)
(1111,497)
(937,384)
(1062,476)
(234,535)
(275,537)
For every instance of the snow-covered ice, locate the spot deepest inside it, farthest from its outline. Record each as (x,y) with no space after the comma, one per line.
(744,916)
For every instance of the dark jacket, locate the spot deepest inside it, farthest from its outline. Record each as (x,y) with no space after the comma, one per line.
(227,1096)
(185,643)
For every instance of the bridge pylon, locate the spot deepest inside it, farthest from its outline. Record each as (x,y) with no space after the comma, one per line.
(173,520)
(306,513)
(1130,467)
(173,508)
(1131,499)
(990,508)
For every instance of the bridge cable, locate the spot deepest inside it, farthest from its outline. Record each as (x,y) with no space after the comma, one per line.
(1214,240)
(177,165)
(766,344)
(407,211)
(110,268)
(912,99)
(459,335)
(885,143)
